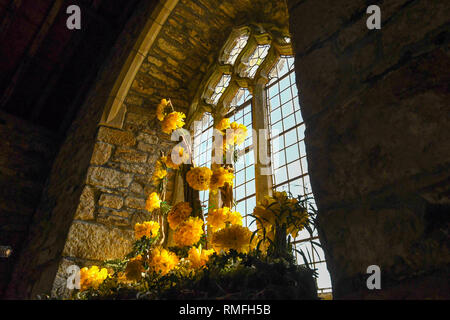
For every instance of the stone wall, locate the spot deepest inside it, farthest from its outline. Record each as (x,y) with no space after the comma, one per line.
(119,179)
(376,109)
(26,155)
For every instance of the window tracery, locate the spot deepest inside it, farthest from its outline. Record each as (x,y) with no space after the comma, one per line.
(255,75)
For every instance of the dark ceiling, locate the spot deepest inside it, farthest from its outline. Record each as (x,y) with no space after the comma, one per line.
(45,68)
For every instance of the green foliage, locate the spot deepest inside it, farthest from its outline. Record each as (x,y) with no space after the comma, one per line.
(227,276)
(142,246)
(164,208)
(118,265)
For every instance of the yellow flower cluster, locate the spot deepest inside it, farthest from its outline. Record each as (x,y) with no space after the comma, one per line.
(160,109)
(178,214)
(160,171)
(236,134)
(235,237)
(134,269)
(198,256)
(218,218)
(162,260)
(223,124)
(199,178)
(153,202)
(278,210)
(170,121)
(149,229)
(173,121)
(183,157)
(219,177)
(189,232)
(92,277)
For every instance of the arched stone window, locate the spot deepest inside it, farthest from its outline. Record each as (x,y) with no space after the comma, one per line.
(253,83)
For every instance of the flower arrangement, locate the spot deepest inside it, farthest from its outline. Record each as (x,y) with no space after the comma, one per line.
(225,253)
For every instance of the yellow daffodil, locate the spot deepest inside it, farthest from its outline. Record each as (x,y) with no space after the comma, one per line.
(173,121)
(219,177)
(160,171)
(92,277)
(199,256)
(235,237)
(189,232)
(178,214)
(149,229)
(223,124)
(199,178)
(153,202)
(236,134)
(162,260)
(220,218)
(160,109)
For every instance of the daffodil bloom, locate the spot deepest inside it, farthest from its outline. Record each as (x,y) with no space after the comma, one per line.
(160,109)
(279,210)
(234,237)
(219,218)
(160,171)
(148,229)
(199,178)
(223,124)
(236,134)
(162,260)
(153,202)
(189,232)
(178,214)
(92,277)
(219,178)
(173,121)
(199,256)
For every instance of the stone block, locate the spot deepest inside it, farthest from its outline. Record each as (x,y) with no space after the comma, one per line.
(146,147)
(111,220)
(109,178)
(389,232)
(137,119)
(134,168)
(412,24)
(147,138)
(97,242)
(136,188)
(318,77)
(119,213)
(135,203)
(101,154)
(116,137)
(110,201)
(86,207)
(129,155)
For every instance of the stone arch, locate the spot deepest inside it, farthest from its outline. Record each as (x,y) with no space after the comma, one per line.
(114,110)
